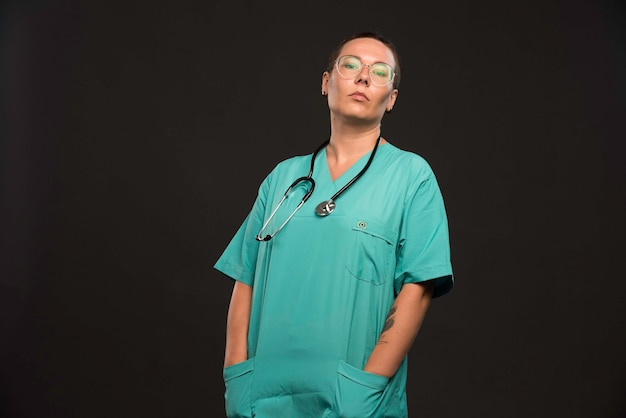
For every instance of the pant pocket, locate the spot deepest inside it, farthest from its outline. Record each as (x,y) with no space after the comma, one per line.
(238,381)
(359,393)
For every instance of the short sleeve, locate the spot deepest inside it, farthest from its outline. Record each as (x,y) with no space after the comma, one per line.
(238,261)
(424,245)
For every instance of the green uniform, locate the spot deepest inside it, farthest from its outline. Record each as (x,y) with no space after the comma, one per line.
(323,286)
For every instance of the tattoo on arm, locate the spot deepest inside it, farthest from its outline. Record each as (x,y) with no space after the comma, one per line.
(388,324)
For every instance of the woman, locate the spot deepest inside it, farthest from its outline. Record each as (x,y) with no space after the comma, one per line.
(334,272)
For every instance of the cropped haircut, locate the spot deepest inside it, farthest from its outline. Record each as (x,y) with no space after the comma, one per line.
(374,35)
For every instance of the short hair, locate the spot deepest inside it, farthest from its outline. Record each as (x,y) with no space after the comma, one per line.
(374,35)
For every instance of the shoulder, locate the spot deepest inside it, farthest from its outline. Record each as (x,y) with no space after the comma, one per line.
(296,166)
(291,164)
(409,162)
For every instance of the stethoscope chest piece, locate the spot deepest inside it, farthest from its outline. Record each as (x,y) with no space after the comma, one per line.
(325,208)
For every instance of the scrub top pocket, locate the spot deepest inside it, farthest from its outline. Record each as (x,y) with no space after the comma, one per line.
(359,393)
(238,381)
(372,250)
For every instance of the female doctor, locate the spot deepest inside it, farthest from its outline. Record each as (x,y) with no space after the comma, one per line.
(336,264)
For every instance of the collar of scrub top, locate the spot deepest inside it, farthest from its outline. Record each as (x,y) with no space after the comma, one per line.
(326,207)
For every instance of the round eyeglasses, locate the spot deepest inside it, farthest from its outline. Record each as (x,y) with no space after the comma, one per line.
(349,66)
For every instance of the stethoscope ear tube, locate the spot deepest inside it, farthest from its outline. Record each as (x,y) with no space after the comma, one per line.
(300,180)
(308,194)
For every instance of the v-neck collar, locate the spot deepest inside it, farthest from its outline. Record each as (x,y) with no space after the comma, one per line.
(346,176)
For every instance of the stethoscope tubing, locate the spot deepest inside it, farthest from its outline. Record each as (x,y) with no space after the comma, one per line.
(324,208)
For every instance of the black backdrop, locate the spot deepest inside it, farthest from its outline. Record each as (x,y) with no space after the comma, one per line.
(135,135)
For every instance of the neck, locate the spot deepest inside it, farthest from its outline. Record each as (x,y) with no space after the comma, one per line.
(347,147)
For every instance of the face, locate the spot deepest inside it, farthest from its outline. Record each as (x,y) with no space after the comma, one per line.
(357,97)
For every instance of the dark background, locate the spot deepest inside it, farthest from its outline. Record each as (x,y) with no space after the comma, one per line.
(135,135)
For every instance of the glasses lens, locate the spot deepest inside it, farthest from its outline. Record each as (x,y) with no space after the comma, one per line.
(380,73)
(349,66)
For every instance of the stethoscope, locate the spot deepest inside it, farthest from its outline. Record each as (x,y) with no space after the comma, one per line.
(326,207)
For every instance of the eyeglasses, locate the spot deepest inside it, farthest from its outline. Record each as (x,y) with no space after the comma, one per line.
(349,66)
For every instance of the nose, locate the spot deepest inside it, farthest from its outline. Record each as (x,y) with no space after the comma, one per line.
(364,75)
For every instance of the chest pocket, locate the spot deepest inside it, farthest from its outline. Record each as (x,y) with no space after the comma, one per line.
(371,256)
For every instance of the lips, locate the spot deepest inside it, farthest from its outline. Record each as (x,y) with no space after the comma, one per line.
(359,96)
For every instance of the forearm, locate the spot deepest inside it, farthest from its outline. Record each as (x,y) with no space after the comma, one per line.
(401,327)
(237,323)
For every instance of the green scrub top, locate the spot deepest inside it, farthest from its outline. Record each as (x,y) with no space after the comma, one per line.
(323,286)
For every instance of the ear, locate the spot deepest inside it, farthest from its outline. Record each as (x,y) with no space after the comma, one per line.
(392,100)
(325,79)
